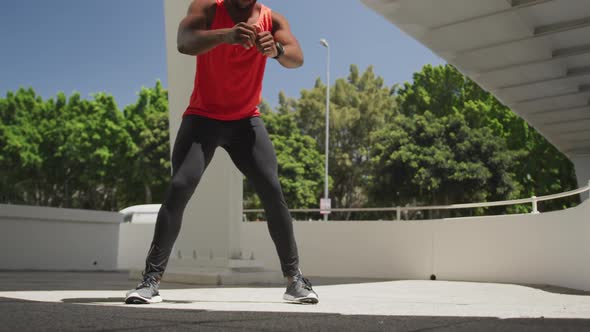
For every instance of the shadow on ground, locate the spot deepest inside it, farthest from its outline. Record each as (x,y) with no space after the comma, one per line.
(117,300)
(558,290)
(19,315)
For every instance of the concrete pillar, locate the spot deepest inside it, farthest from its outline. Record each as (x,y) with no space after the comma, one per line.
(582,164)
(208,250)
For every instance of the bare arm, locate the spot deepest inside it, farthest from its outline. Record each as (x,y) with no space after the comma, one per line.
(194,36)
(293,56)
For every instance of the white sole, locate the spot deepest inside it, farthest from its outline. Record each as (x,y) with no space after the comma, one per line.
(134,298)
(311,299)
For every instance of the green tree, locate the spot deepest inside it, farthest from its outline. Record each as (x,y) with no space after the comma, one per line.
(429,160)
(437,140)
(63,153)
(148,169)
(359,105)
(20,158)
(443,95)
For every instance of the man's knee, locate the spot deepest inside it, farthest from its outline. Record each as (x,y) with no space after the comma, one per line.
(185,183)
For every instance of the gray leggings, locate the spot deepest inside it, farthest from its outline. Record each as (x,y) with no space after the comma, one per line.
(251,150)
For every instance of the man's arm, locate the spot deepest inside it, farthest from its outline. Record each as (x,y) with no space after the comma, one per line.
(293,56)
(194,36)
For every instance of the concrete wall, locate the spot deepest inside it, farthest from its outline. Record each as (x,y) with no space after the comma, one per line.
(134,243)
(40,238)
(549,248)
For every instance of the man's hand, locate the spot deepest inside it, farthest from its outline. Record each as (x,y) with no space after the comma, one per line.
(243,34)
(266,44)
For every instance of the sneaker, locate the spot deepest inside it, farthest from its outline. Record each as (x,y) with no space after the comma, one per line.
(300,291)
(146,292)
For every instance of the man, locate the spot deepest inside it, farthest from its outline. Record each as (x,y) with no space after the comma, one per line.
(232,40)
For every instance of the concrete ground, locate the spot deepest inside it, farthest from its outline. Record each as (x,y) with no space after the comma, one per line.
(69,301)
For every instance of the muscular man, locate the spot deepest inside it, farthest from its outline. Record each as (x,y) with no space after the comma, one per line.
(232,40)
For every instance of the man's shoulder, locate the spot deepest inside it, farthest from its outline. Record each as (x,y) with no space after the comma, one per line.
(278,19)
(204,7)
(201,5)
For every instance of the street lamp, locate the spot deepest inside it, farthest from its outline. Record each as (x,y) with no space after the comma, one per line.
(326,199)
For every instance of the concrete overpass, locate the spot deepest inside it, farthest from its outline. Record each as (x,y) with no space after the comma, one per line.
(533,55)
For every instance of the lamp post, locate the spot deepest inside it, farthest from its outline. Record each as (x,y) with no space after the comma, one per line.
(324,43)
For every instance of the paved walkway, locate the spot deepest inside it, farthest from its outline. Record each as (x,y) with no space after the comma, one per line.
(93,301)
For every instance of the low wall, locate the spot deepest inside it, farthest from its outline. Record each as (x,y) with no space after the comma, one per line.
(134,243)
(40,238)
(549,248)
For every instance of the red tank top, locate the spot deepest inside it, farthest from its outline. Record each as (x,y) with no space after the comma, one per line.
(228,82)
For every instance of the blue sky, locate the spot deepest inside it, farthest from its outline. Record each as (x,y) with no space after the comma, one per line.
(117,46)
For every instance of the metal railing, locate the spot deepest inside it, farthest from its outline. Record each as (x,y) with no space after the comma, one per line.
(400,209)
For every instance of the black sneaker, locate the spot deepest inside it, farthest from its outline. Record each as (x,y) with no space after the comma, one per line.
(300,291)
(146,292)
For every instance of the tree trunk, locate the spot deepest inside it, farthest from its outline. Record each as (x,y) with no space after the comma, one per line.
(66,194)
(148,193)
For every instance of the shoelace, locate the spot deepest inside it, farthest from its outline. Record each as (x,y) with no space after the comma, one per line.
(148,282)
(306,283)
